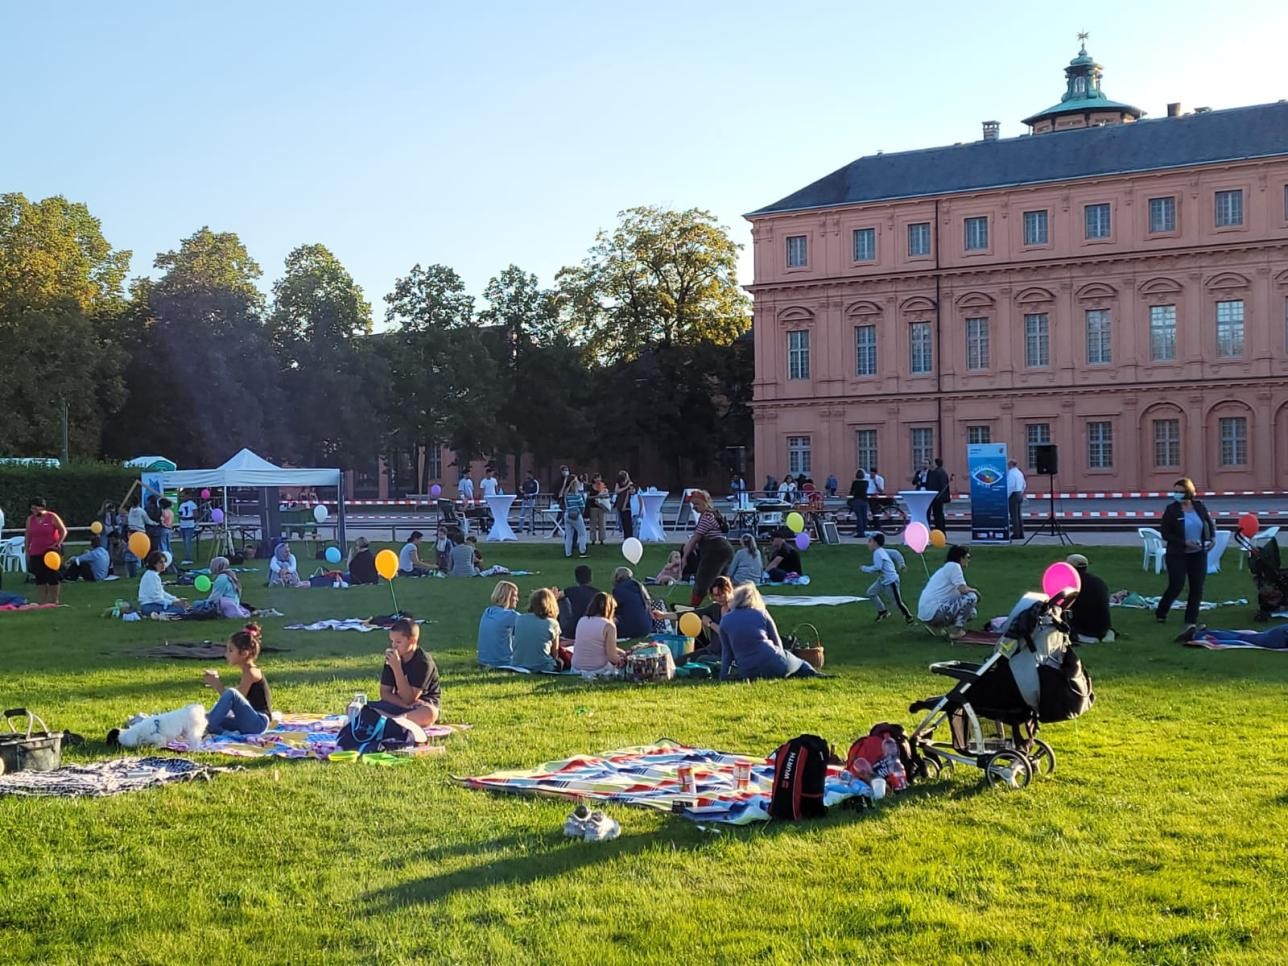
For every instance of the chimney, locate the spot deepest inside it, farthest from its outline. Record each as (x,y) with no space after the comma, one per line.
(1174,109)
(990,130)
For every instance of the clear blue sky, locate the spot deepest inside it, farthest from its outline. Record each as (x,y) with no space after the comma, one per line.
(404,132)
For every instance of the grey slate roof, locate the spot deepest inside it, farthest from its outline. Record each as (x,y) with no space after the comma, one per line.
(1165,142)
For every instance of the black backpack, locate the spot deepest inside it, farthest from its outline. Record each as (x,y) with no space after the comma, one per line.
(373,731)
(800,769)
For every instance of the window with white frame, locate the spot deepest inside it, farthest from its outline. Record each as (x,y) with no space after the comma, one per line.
(434,457)
(920,347)
(1167,443)
(919,239)
(797,251)
(923,446)
(865,448)
(977,343)
(798,354)
(865,244)
(1037,340)
(1162,214)
(1162,333)
(1234,440)
(1096,221)
(976,233)
(1100,445)
(865,350)
(1035,435)
(1229,327)
(1099,348)
(798,456)
(979,434)
(1036,229)
(1229,208)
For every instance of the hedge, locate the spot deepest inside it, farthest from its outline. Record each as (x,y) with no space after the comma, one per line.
(74,491)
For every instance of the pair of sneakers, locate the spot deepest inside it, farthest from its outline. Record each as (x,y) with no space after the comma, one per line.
(590,826)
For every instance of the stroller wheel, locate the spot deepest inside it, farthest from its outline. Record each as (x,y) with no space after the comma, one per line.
(1008,768)
(1042,757)
(934,766)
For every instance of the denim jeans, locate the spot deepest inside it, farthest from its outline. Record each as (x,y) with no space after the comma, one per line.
(147,610)
(189,535)
(574,526)
(233,713)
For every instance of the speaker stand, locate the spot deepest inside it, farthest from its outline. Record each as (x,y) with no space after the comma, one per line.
(1051,525)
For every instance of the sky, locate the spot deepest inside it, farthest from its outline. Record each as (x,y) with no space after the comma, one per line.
(398,133)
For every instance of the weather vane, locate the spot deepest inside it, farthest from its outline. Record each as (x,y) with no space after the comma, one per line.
(1082,37)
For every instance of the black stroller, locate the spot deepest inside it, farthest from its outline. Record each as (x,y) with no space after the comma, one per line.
(1270,579)
(1032,677)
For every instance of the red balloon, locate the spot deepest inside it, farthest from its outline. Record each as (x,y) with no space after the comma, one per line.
(1249,525)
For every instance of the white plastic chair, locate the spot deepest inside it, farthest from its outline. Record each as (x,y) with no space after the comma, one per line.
(1218,548)
(1153,548)
(13,554)
(1259,541)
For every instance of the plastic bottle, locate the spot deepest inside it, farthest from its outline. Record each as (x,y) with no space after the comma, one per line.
(895,776)
(355,707)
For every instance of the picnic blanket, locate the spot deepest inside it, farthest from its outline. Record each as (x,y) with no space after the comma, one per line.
(778,600)
(646,776)
(194,650)
(1126,598)
(514,668)
(292,736)
(792,580)
(99,779)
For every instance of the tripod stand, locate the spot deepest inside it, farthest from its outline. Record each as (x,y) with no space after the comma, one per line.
(1051,525)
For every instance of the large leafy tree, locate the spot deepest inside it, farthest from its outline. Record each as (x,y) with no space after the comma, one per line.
(661,278)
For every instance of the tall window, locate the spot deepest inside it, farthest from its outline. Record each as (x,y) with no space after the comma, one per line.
(919,238)
(1229,208)
(1162,333)
(1035,228)
(434,457)
(1100,445)
(919,344)
(977,343)
(1035,435)
(865,448)
(865,350)
(1234,440)
(979,434)
(1229,328)
(798,458)
(798,354)
(976,234)
(865,244)
(797,251)
(1099,350)
(1167,443)
(923,446)
(1162,214)
(1037,341)
(1096,221)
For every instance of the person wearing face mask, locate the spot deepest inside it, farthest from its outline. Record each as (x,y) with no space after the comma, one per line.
(1188,534)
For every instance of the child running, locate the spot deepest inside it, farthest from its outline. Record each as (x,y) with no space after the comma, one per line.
(887,579)
(244,709)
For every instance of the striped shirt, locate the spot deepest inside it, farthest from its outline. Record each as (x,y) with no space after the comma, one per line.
(708,527)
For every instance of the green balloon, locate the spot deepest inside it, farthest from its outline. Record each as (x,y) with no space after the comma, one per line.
(202,583)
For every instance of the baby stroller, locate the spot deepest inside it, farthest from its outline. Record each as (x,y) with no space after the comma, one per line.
(1032,677)
(1270,580)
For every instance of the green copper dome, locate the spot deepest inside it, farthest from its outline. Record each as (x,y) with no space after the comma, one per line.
(1082,91)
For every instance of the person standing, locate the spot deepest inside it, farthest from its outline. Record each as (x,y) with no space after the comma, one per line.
(1015,485)
(715,553)
(1188,533)
(465,488)
(45,532)
(937,480)
(831,486)
(622,495)
(876,483)
(859,502)
(528,509)
(188,527)
(771,486)
(574,517)
(919,477)
(489,485)
(597,504)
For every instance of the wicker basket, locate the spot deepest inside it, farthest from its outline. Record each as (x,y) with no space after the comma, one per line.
(809,651)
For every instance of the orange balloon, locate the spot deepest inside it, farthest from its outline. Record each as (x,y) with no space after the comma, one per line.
(140,544)
(96,528)
(387,564)
(53,560)
(937,538)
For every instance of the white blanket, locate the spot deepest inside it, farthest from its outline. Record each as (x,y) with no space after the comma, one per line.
(774,600)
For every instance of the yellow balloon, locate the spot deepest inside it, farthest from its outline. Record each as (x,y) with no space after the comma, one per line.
(96,528)
(140,544)
(387,564)
(690,624)
(937,538)
(53,560)
(795,522)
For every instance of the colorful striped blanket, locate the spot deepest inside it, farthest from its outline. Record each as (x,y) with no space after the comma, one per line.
(294,736)
(647,776)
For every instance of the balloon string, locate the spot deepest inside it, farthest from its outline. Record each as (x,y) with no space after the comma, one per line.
(394,596)
(923,564)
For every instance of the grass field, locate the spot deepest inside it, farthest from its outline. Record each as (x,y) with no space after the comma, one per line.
(1160,839)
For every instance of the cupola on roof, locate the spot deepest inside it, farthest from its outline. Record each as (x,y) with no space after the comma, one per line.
(1083,96)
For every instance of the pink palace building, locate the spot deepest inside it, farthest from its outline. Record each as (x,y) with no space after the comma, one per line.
(1112,285)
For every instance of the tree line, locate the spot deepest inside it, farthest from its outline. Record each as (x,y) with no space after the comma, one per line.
(640,347)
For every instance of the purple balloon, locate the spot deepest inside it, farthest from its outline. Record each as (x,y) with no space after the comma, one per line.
(435,490)
(217,515)
(802,541)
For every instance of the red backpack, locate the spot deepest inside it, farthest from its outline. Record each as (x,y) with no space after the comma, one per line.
(867,751)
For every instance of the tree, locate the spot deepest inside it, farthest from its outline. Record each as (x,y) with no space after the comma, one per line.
(661,278)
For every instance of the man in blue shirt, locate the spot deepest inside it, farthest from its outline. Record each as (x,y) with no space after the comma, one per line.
(93,565)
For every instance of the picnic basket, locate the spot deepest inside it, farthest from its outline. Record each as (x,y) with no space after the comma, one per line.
(32,749)
(810,649)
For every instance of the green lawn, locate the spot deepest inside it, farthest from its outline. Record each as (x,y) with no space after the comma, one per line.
(1161,838)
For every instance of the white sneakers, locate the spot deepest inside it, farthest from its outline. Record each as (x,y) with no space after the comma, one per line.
(590,826)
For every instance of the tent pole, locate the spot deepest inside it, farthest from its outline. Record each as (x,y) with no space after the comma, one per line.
(341,536)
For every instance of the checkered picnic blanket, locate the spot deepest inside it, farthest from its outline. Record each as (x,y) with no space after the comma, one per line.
(99,779)
(294,736)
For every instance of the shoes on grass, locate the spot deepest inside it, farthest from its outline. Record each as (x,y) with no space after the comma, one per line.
(590,826)
(1191,632)
(575,824)
(882,615)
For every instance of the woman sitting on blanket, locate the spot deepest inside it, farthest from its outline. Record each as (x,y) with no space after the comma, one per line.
(496,626)
(409,685)
(282,569)
(632,605)
(749,639)
(244,709)
(362,564)
(536,635)
(153,598)
(594,650)
(748,566)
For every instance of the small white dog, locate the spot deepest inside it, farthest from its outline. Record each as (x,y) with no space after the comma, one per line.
(187,723)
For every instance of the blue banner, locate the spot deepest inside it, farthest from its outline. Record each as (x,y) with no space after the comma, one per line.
(989,516)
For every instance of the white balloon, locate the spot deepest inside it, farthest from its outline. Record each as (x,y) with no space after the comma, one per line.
(632,550)
(320,513)
(168,558)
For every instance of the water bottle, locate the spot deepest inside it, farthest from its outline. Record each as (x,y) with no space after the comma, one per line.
(355,707)
(895,776)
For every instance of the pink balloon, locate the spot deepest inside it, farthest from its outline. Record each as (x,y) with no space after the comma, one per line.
(1060,578)
(802,541)
(217,515)
(916,536)
(205,494)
